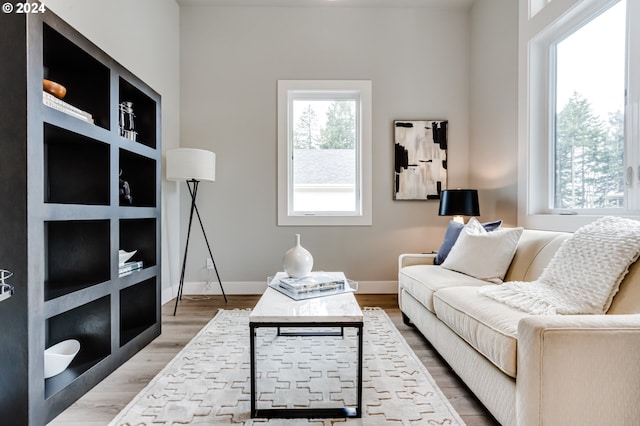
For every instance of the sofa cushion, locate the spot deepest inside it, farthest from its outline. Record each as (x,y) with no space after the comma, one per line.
(535,251)
(421,281)
(490,327)
(627,301)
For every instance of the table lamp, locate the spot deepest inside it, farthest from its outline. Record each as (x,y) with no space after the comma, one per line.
(192,166)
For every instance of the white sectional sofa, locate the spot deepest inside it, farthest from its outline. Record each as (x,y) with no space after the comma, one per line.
(554,370)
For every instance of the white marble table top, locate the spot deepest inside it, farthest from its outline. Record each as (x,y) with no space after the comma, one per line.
(274,306)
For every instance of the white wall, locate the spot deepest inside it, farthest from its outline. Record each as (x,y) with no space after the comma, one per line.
(493,104)
(143,36)
(418,61)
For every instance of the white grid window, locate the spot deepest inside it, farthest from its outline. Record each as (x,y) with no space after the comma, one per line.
(324,152)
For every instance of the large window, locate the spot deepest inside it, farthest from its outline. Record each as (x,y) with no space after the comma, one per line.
(579,91)
(589,114)
(324,152)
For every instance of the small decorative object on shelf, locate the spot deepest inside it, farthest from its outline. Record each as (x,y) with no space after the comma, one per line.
(129,267)
(125,191)
(297,262)
(127,125)
(51,101)
(6,290)
(58,357)
(56,89)
(124,255)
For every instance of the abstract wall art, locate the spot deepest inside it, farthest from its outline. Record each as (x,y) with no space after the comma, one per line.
(420,159)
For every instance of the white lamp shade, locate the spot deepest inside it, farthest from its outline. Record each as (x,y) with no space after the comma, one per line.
(191,163)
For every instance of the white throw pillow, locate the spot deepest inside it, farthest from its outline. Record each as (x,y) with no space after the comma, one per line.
(481,254)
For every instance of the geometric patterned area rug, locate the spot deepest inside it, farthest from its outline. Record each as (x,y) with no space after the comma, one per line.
(208,382)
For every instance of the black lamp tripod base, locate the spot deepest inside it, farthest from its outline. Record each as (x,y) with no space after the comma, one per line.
(193,190)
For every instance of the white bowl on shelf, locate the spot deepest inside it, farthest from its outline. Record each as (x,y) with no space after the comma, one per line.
(123,256)
(58,357)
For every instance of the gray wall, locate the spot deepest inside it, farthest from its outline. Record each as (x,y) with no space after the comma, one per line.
(493,125)
(231,58)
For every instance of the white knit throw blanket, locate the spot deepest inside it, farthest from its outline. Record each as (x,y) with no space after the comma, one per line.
(584,274)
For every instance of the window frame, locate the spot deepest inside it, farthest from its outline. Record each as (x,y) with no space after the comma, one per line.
(286,93)
(538,37)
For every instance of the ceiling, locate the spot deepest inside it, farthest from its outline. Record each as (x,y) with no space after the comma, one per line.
(328,3)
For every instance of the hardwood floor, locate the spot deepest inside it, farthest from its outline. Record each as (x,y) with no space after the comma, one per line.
(101,404)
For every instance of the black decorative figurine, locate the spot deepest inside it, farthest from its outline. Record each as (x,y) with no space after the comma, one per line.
(125,191)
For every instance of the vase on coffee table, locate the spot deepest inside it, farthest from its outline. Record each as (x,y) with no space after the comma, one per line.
(297,262)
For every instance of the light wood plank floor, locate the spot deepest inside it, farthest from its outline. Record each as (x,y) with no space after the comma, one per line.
(101,404)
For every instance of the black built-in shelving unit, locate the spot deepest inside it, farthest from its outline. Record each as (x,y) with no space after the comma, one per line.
(62,220)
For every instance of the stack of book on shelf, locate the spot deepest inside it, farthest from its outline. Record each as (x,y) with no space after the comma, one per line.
(315,285)
(55,103)
(129,267)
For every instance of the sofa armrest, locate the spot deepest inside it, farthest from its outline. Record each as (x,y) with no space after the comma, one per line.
(578,370)
(409,259)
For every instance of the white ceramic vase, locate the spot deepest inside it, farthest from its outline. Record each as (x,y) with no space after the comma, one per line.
(297,261)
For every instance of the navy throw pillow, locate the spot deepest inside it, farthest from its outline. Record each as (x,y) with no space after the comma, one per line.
(452,234)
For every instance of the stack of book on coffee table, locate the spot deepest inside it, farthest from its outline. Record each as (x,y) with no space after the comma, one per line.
(315,285)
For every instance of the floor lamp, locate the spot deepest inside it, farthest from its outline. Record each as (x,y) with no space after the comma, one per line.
(192,166)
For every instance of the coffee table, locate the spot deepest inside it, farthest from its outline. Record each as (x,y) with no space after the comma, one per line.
(276,310)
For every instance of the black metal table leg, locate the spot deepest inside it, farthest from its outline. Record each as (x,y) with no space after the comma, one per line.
(252,348)
(338,412)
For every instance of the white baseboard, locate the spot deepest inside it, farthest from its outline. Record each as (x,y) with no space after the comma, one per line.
(258,287)
(168,293)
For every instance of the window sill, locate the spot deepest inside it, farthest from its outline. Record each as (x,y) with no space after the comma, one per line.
(563,223)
